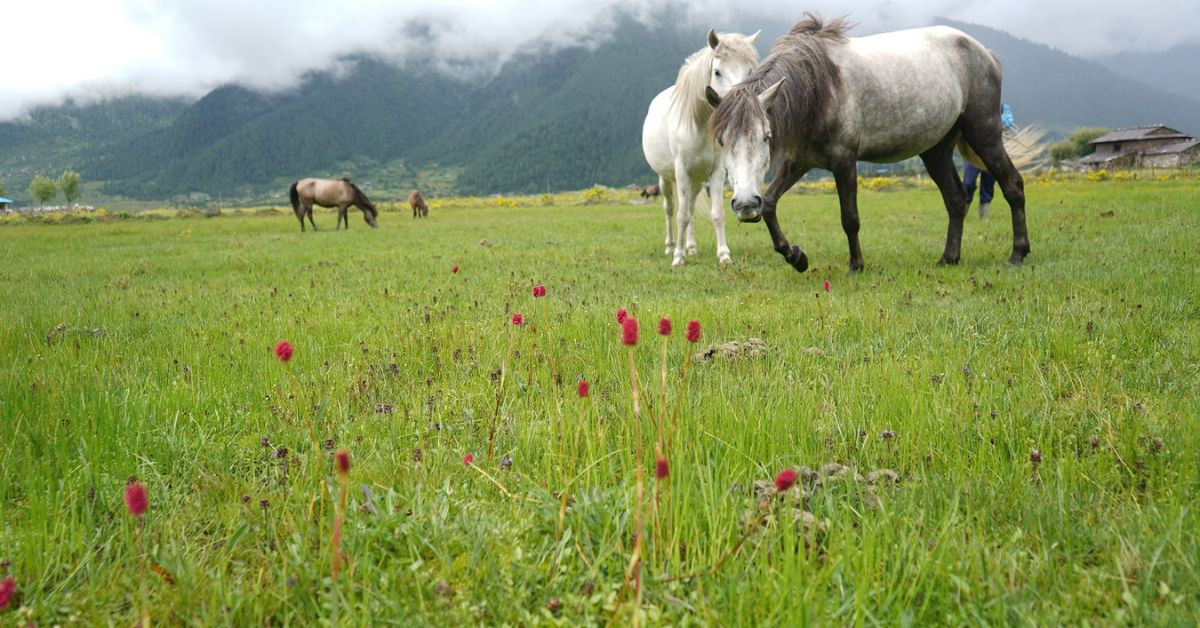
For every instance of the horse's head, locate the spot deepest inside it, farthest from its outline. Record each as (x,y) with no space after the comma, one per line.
(370,214)
(742,128)
(733,58)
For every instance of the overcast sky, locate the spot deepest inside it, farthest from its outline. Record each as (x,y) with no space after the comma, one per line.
(88,48)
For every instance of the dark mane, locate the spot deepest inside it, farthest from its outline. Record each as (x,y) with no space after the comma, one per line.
(804,108)
(360,199)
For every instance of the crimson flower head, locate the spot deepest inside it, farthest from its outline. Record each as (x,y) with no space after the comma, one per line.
(468,459)
(135,499)
(454,270)
(661,468)
(785,480)
(583,388)
(539,290)
(664,326)
(343,462)
(622,315)
(518,319)
(7,588)
(629,331)
(826,285)
(693,331)
(283,350)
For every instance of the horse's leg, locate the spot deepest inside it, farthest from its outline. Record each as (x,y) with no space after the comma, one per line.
(939,162)
(986,138)
(697,188)
(686,193)
(309,212)
(716,193)
(300,214)
(669,211)
(845,175)
(788,174)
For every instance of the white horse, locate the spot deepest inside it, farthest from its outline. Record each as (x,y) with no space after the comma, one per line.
(677,144)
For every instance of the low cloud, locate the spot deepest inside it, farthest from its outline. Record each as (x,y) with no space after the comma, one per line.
(102,48)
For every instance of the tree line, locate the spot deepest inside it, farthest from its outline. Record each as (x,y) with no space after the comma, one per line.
(43,189)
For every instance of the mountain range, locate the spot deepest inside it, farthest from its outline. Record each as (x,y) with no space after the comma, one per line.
(549,120)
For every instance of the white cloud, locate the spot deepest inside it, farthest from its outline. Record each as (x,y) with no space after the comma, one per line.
(90,48)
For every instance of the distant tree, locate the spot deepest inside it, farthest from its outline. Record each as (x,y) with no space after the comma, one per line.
(69,184)
(1,188)
(42,189)
(1077,145)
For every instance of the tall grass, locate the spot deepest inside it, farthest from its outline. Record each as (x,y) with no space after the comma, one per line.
(145,349)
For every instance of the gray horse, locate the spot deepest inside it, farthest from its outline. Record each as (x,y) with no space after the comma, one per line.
(339,193)
(824,100)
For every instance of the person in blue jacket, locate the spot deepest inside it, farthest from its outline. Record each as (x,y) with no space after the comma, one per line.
(987,183)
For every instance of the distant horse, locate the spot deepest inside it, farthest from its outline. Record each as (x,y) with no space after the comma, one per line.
(418,204)
(676,142)
(339,193)
(825,100)
(651,191)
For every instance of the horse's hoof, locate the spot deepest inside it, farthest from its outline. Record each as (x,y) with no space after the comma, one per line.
(948,261)
(797,259)
(678,261)
(856,267)
(725,260)
(670,250)
(691,250)
(1016,261)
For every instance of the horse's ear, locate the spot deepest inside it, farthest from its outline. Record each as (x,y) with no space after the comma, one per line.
(754,38)
(767,97)
(713,42)
(712,96)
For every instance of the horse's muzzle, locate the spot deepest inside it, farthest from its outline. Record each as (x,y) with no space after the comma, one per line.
(748,211)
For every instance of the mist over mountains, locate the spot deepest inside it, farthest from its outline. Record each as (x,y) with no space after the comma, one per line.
(566,119)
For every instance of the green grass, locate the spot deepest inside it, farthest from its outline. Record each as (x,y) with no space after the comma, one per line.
(971,366)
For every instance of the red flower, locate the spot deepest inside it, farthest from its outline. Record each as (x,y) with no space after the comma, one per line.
(7,588)
(693,331)
(785,480)
(583,388)
(454,270)
(539,290)
(468,459)
(664,326)
(135,499)
(622,315)
(629,331)
(661,469)
(343,462)
(283,351)
(518,319)
(826,285)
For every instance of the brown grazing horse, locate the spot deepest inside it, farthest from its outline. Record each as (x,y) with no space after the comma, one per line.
(651,191)
(339,193)
(418,204)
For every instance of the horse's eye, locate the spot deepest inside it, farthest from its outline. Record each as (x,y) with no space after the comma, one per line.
(721,143)
(717,73)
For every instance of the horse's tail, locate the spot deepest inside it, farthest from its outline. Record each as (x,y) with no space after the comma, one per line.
(1025,148)
(294,195)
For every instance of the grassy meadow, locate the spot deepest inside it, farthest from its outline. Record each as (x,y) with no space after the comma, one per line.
(144,349)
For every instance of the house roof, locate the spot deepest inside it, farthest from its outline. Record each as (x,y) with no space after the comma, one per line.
(1152,132)
(1174,149)
(6,200)
(1103,159)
